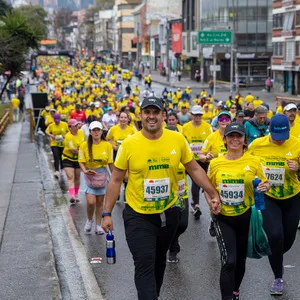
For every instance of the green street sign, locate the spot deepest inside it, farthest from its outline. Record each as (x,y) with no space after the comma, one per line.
(215,37)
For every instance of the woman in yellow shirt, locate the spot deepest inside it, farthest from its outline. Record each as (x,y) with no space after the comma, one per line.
(73,139)
(232,175)
(94,157)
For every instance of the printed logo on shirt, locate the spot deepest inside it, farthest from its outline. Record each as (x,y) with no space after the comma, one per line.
(173,151)
(247,168)
(289,154)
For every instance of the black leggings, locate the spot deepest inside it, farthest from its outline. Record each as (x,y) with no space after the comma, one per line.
(281,218)
(57,153)
(195,187)
(232,237)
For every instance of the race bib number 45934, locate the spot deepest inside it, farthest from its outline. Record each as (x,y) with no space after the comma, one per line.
(232,194)
(156,189)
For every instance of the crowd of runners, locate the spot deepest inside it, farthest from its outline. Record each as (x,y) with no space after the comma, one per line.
(117,133)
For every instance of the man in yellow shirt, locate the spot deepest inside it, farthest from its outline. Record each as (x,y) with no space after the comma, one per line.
(15,108)
(196,132)
(249,98)
(290,110)
(151,216)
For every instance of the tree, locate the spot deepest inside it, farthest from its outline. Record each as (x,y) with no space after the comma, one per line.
(16,38)
(4,7)
(37,19)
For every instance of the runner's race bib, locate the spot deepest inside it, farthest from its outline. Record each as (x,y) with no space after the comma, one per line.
(232,194)
(181,189)
(156,189)
(196,148)
(275,175)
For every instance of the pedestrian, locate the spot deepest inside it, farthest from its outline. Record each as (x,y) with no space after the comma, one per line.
(179,74)
(290,110)
(280,157)
(211,85)
(173,77)
(72,141)
(152,211)
(15,102)
(94,156)
(232,224)
(57,131)
(196,131)
(268,84)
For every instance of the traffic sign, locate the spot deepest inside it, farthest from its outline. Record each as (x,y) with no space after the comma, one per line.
(216,67)
(215,37)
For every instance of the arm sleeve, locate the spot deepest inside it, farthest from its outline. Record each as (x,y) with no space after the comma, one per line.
(111,154)
(81,156)
(206,145)
(186,153)
(48,130)
(121,161)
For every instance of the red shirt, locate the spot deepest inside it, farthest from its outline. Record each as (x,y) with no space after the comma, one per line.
(79,116)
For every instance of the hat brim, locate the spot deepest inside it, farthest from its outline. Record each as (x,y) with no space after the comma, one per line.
(151,104)
(235,131)
(197,113)
(280,136)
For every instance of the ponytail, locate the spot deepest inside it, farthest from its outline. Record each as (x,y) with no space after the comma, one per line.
(90,147)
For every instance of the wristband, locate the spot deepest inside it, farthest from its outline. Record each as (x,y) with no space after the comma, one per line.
(106,214)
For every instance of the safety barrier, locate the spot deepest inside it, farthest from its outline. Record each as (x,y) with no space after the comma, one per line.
(32,123)
(279,99)
(4,122)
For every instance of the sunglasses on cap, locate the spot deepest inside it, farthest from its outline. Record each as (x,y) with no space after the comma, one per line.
(292,110)
(224,119)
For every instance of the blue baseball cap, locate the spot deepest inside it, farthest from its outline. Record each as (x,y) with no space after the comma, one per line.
(224,112)
(280,127)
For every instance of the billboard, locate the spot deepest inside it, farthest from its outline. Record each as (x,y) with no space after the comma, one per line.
(177,38)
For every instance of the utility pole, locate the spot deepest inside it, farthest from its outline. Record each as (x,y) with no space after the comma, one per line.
(235,46)
(201,64)
(167,49)
(215,68)
(231,69)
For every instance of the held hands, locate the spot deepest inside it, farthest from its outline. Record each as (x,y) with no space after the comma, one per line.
(209,156)
(90,172)
(215,205)
(263,186)
(107,224)
(293,165)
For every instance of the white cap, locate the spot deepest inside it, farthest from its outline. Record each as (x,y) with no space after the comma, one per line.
(95,124)
(196,110)
(97,104)
(220,103)
(289,106)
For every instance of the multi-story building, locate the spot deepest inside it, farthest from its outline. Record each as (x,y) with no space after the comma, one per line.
(251,23)
(286,46)
(125,28)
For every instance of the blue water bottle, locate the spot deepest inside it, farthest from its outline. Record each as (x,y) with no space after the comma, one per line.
(110,249)
(259,197)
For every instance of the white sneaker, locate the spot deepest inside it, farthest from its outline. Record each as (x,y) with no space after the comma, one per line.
(99,230)
(56,174)
(88,226)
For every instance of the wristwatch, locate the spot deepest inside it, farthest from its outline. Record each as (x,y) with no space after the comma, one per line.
(106,214)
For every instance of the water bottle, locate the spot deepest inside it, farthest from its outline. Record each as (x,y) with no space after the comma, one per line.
(110,249)
(259,198)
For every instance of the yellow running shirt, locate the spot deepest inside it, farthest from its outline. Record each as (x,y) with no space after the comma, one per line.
(72,142)
(152,166)
(284,183)
(295,130)
(233,180)
(214,144)
(58,131)
(196,136)
(15,103)
(118,135)
(102,154)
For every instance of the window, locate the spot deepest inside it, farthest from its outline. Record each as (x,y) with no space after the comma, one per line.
(278,49)
(126,19)
(183,42)
(126,6)
(126,30)
(278,21)
(298,17)
(290,51)
(288,23)
(297,48)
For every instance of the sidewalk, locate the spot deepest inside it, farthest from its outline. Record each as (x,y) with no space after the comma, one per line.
(27,267)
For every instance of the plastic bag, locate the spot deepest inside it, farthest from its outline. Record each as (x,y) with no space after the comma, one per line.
(258,244)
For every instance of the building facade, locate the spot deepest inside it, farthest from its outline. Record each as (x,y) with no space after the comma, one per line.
(251,24)
(286,46)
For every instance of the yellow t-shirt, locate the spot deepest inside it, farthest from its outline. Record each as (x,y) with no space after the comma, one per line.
(257,102)
(270,114)
(295,130)
(186,104)
(64,113)
(196,136)
(214,144)
(233,181)
(102,154)
(152,166)
(297,118)
(72,142)
(58,131)
(207,116)
(249,98)
(117,135)
(15,103)
(95,113)
(284,183)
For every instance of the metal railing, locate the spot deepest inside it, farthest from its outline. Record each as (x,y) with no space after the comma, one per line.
(286,99)
(5,120)
(32,123)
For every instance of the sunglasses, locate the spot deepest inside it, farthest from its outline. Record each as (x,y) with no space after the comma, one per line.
(224,119)
(233,107)
(292,110)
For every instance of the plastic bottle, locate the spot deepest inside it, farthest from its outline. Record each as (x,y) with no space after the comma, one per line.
(110,249)
(259,198)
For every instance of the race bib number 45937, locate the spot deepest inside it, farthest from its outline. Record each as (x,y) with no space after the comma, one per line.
(156,189)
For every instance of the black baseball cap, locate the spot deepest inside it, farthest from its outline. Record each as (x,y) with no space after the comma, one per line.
(152,101)
(235,127)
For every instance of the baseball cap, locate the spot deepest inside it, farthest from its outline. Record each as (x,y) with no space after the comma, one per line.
(196,110)
(97,104)
(240,114)
(56,117)
(109,108)
(95,124)
(220,103)
(152,101)
(235,127)
(77,105)
(224,112)
(261,109)
(289,107)
(280,127)
(73,122)
(53,109)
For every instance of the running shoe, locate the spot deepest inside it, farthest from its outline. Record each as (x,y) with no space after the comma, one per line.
(277,287)
(211,229)
(72,201)
(88,226)
(99,230)
(236,296)
(56,174)
(172,258)
(197,213)
(76,197)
